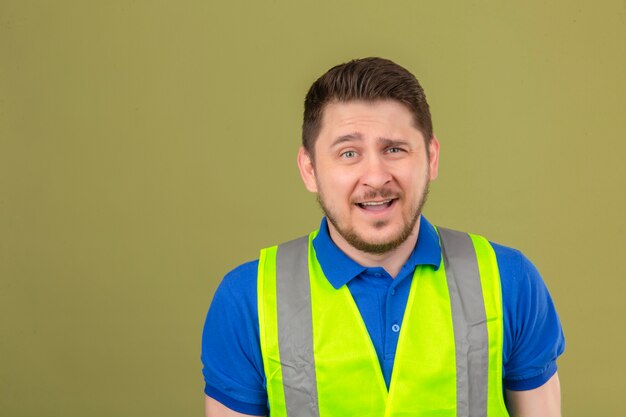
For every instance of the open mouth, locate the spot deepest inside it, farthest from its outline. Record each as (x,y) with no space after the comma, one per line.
(376,205)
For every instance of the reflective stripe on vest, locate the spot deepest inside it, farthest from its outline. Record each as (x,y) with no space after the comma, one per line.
(319,360)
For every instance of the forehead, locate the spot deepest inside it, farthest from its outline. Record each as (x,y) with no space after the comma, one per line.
(382,117)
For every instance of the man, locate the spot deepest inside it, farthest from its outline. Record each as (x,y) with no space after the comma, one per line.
(379,313)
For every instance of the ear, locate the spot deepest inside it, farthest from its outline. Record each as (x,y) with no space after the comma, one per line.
(307,170)
(433,164)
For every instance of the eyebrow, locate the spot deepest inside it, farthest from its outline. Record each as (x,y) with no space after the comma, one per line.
(392,142)
(358,137)
(346,138)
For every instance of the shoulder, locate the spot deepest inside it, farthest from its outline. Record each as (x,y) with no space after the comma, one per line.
(240,281)
(516,270)
(523,287)
(234,304)
(234,301)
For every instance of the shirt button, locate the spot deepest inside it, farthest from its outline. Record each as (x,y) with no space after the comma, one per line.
(378,275)
(393,291)
(395,328)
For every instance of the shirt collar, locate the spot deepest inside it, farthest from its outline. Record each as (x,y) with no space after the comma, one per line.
(340,269)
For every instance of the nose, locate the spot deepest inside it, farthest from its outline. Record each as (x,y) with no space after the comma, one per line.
(375,173)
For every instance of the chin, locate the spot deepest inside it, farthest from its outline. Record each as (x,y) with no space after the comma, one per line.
(381,239)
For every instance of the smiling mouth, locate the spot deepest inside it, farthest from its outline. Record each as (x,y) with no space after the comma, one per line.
(376,205)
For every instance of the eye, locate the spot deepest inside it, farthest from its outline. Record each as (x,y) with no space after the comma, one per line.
(395,150)
(348,154)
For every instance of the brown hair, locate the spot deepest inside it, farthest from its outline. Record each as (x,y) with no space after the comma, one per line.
(367,79)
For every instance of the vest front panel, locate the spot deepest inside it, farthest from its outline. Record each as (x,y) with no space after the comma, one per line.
(342,375)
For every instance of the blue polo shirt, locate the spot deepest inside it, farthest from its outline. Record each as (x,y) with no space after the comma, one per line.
(231,353)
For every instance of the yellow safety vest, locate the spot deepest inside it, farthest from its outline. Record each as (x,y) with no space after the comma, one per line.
(320,361)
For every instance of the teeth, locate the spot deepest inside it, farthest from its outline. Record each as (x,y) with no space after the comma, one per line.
(375,203)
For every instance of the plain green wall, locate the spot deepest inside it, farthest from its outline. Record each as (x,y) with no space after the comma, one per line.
(147,147)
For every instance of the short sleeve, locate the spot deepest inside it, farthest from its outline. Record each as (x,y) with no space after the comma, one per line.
(231,354)
(533,336)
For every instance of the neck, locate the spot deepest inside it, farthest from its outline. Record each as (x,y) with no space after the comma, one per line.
(391,261)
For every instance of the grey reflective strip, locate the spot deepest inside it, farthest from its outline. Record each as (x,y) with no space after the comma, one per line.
(470,322)
(295,328)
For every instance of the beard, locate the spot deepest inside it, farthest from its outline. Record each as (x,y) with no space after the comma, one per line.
(378,248)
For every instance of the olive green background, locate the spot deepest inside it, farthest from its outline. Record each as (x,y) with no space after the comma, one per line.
(148,147)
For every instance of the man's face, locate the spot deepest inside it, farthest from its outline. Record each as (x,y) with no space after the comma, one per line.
(371,173)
